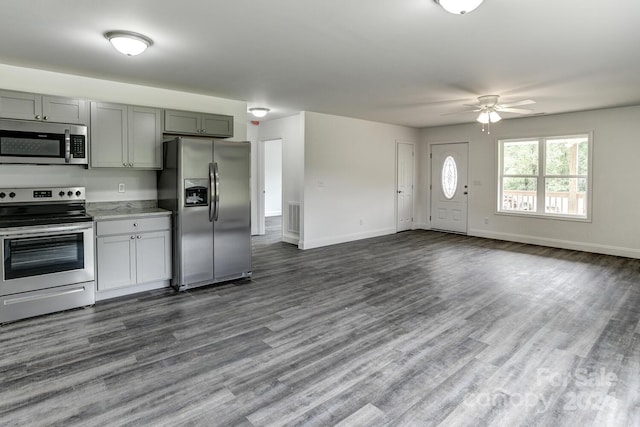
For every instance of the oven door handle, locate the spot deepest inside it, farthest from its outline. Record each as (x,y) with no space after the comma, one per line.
(45,231)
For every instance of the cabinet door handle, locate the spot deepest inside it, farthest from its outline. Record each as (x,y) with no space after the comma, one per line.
(133,237)
(135,224)
(38,116)
(138,236)
(124,164)
(130,165)
(45,118)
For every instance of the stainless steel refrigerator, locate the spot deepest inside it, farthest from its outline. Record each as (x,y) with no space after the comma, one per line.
(205,183)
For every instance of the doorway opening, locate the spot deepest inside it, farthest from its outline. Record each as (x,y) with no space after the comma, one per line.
(271,193)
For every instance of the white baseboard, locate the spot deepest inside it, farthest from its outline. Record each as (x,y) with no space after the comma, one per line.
(558,243)
(291,238)
(420,226)
(317,243)
(128,290)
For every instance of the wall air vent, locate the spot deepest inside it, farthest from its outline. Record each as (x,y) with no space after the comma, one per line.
(293,224)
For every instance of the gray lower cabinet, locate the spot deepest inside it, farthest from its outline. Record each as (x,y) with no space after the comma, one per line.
(125,136)
(189,122)
(32,106)
(132,252)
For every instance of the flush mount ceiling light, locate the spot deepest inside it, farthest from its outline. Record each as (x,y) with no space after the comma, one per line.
(259,112)
(459,7)
(128,42)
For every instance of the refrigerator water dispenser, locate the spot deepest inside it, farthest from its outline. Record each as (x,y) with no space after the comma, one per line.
(195,192)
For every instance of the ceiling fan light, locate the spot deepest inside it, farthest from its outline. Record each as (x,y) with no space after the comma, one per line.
(494,117)
(128,43)
(259,112)
(483,117)
(459,7)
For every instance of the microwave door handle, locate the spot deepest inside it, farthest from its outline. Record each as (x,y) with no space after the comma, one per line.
(211,192)
(67,146)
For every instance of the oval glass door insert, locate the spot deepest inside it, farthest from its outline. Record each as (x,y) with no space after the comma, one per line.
(449,177)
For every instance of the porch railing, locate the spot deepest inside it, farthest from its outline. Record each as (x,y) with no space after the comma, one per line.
(555,202)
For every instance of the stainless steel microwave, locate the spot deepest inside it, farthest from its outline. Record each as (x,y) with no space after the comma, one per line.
(43,143)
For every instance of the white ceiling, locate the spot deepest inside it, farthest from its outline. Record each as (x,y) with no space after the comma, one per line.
(396,61)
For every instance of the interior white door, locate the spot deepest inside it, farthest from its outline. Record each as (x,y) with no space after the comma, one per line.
(449,164)
(270,181)
(404,200)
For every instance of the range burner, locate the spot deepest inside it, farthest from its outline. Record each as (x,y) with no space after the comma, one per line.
(23,207)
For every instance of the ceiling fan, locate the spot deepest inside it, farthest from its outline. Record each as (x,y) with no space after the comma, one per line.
(489,108)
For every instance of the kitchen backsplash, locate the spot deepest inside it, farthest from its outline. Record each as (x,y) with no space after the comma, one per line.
(102,184)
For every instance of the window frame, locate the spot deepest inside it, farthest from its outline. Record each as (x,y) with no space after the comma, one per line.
(542,176)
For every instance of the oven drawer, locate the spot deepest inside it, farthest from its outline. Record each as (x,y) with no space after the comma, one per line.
(133,225)
(45,301)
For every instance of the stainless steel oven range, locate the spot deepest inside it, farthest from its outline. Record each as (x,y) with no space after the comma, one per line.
(47,246)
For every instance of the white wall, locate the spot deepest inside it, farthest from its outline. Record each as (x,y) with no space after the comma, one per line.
(616,153)
(273,177)
(102,184)
(290,130)
(349,178)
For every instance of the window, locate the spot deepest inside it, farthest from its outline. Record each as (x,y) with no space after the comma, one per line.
(449,177)
(548,176)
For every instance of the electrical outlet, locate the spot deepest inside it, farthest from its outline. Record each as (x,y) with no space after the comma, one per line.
(120,188)
(486,220)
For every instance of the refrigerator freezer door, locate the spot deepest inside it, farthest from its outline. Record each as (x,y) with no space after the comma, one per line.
(232,229)
(196,243)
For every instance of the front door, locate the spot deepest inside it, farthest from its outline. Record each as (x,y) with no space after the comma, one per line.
(404,201)
(449,187)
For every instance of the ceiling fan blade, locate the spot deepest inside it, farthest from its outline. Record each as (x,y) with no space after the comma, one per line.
(461,112)
(519,103)
(514,110)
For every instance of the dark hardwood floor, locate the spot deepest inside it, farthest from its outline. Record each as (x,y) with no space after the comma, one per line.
(414,329)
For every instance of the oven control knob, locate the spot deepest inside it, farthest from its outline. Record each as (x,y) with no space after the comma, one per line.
(61,193)
(70,193)
(12,194)
(2,195)
(78,193)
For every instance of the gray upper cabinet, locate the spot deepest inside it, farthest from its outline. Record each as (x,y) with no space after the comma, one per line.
(65,110)
(31,106)
(189,122)
(125,136)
